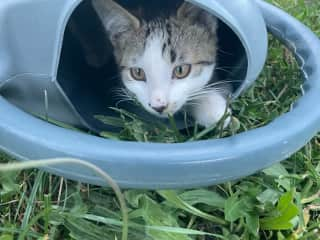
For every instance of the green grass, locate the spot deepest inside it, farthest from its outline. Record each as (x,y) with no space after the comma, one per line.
(282,202)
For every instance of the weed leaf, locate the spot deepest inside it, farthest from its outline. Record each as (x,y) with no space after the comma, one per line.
(283,215)
(234,208)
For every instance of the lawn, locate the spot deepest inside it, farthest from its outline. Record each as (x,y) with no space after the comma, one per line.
(282,202)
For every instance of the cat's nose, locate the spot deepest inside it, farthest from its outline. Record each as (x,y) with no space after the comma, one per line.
(159,109)
(158,101)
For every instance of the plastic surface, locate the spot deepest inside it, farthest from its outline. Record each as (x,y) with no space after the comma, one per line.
(41,72)
(194,164)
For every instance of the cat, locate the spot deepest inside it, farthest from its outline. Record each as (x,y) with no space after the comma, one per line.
(168,64)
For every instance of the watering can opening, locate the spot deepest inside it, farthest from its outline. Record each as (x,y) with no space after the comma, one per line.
(89,87)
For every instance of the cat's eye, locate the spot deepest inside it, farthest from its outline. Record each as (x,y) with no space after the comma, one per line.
(138,74)
(182,71)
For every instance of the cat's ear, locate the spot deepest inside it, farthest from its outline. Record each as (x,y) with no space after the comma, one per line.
(196,15)
(115,19)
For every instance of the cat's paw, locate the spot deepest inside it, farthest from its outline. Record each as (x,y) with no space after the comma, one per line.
(212,117)
(211,110)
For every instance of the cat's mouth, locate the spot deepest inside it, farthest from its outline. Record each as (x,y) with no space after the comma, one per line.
(166,113)
(162,115)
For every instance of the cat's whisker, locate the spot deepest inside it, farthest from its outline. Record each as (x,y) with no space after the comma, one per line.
(190,103)
(206,91)
(128,99)
(232,67)
(196,99)
(120,96)
(120,90)
(224,70)
(200,94)
(220,82)
(224,52)
(121,101)
(210,90)
(123,95)
(117,89)
(213,87)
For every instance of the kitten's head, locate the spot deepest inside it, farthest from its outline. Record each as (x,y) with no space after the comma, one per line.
(164,62)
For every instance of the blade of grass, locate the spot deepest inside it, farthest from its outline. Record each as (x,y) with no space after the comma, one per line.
(18,231)
(31,200)
(174,199)
(47,210)
(156,228)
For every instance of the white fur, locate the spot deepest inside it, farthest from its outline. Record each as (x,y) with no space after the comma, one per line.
(210,109)
(161,90)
